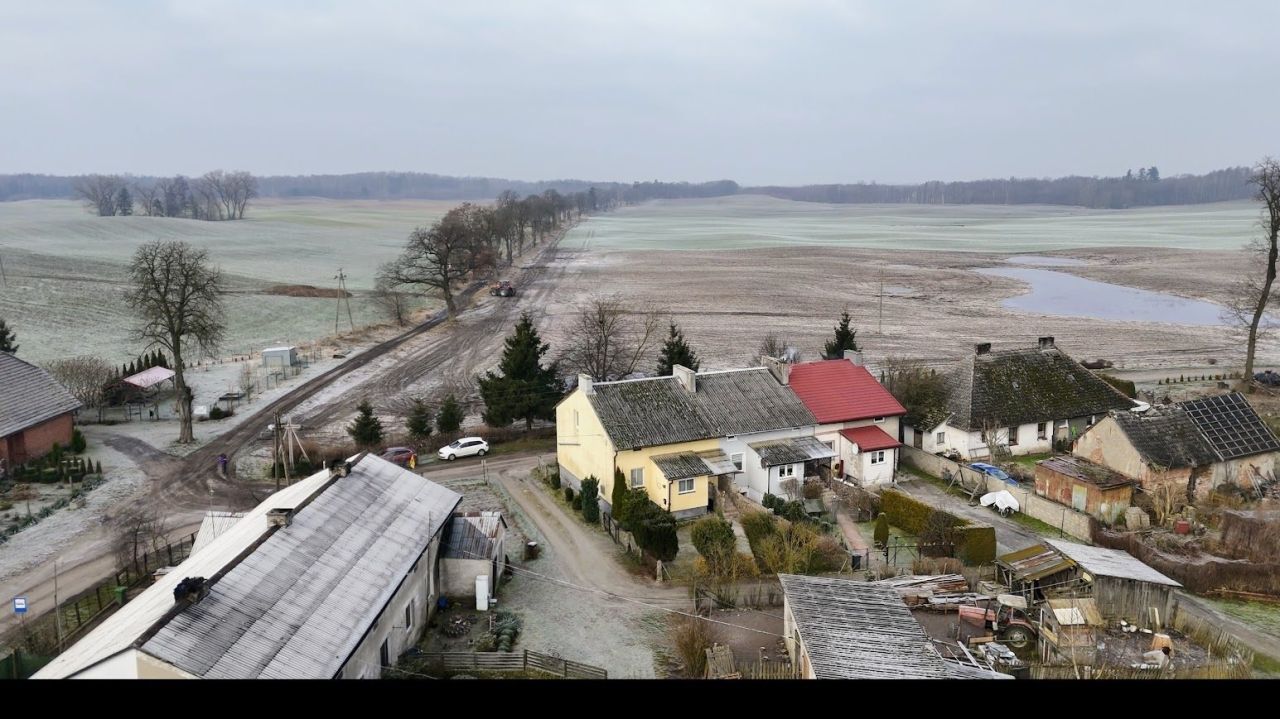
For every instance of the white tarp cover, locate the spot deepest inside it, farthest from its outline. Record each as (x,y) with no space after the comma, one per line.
(149,377)
(1003,500)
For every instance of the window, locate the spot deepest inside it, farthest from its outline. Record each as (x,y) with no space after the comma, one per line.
(941,438)
(686,486)
(384,654)
(787,470)
(737,461)
(1042,430)
(575,419)
(877,457)
(830,445)
(1091,418)
(1013,436)
(878,420)
(637,477)
(408,615)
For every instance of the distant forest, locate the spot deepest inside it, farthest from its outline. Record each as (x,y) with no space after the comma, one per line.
(1145,187)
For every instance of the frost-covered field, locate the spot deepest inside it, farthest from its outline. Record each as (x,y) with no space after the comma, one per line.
(64,269)
(747,221)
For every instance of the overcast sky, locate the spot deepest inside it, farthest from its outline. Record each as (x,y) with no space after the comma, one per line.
(781,93)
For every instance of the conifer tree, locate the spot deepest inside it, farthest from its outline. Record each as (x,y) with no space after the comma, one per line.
(525,389)
(846,338)
(419,421)
(676,351)
(449,419)
(366,429)
(8,339)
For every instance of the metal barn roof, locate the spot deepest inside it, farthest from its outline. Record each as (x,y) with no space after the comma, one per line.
(1102,562)
(870,438)
(473,535)
(859,630)
(791,451)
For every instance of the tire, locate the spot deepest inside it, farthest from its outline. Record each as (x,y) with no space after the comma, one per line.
(1016,637)
(481,452)
(451,457)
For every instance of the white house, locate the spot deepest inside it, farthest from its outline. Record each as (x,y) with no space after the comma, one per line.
(1023,399)
(858,419)
(333,577)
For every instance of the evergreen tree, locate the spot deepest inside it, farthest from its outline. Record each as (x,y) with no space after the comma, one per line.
(618,498)
(676,352)
(526,389)
(449,418)
(8,339)
(133,369)
(365,430)
(419,421)
(846,338)
(124,202)
(590,502)
(881,534)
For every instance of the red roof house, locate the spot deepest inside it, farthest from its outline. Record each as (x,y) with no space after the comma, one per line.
(840,391)
(870,439)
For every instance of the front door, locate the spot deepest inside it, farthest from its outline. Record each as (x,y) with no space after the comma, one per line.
(1079,498)
(917,439)
(17,448)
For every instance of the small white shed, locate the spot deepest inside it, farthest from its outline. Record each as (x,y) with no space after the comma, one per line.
(474,546)
(279,356)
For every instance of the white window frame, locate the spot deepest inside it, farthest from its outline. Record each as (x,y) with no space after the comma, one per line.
(680,486)
(877,457)
(637,472)
(736,458)
(940,438)
(786,471)
(877,420)
(830,445)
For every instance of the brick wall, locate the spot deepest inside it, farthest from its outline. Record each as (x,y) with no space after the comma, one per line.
(38,440)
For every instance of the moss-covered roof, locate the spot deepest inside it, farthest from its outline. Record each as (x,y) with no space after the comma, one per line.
(1025,386)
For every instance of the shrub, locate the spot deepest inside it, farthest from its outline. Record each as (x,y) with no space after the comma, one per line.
(713,536)
(882,530)
(798,549)
(793,511)
(78,443)
(770,501)
(692,637)
(654,529)
(589,499)
(812,490)
(757,525)
(1126,387)
(618,498)
(576,503)
(217,412)
(975,545)
(568,494)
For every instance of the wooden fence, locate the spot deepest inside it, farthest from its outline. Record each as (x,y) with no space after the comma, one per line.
(513,662)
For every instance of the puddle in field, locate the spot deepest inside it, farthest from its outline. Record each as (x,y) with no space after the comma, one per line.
(1044,261)
(1059,293)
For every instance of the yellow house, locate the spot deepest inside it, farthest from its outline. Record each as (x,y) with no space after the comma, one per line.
(672,435)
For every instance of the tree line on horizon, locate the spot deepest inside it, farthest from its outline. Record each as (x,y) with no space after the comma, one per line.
(1145,187)
(215,195)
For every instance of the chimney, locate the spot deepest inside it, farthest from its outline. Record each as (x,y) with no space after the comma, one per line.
(854,356)
(189,590)
(279,517)
(687,378)
(780,370)
(982,348)
(1046,343)
(584,384)
(339,470)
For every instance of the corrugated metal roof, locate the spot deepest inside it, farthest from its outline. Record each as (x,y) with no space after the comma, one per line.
(473,535)
(840,391)
(1034,562)
(659,410)
(859,630)
(212,527)
(298,603)
(869,439)
(790,451)
(1102,562)
(1085,471)
(718,462)
(681,465)
(29,396)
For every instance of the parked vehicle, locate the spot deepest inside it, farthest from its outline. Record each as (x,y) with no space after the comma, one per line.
(994,471)
(465,447)
(1268,378)
(403,456)
(503,289)
(1005,616)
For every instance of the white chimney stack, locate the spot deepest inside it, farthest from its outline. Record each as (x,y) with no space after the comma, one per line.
(854,356)
(686,377)
(584,384)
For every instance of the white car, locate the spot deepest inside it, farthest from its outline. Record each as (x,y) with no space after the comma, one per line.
(464,447)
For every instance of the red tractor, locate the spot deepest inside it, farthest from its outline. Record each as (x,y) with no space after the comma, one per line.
(1006,616)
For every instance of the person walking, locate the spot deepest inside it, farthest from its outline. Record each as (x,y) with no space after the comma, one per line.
(222,465)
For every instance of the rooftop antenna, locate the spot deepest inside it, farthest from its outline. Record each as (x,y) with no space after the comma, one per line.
(342,294)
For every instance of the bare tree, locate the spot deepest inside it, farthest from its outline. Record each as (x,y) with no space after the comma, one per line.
(996,445)
(149,199)
(178,300)
(392,301)
(138,533)
(435,258)
(1254,292)
(85,377)
(99,192)
(921,390)
(242,187)
(776,347)
(607,340)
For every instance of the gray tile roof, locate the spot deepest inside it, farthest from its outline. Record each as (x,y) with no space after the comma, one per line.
(657,411)
(790,451)
(1012,387)
(859,630)
(29,396)
(1166,437)
(473,535)
(1231,426)
(297,604)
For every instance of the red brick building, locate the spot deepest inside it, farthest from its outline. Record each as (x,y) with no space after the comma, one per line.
(35,411)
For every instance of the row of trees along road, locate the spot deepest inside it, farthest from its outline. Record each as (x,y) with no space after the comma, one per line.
(214,195)
(471,239)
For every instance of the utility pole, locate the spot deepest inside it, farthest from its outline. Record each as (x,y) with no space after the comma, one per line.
(341,277)
(57,610)
(880,327)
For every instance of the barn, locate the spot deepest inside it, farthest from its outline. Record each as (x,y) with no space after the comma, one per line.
(35,411)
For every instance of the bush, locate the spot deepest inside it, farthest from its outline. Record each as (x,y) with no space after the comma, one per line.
(792,511)
(1126,387)
(217,412)
(618,498)
(568,494)
(576,503)
(554,479)
(975,545)
(882,530)
(798,549)
(654,529)
(589,499)
(78,443)
(692,637)
(812,490)
(713,536)
(771,501)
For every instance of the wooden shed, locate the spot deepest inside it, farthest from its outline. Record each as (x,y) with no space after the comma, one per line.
(1124,587)
(1068,627)
(1084,486)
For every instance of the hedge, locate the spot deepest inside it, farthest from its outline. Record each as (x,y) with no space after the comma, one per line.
(974,543)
